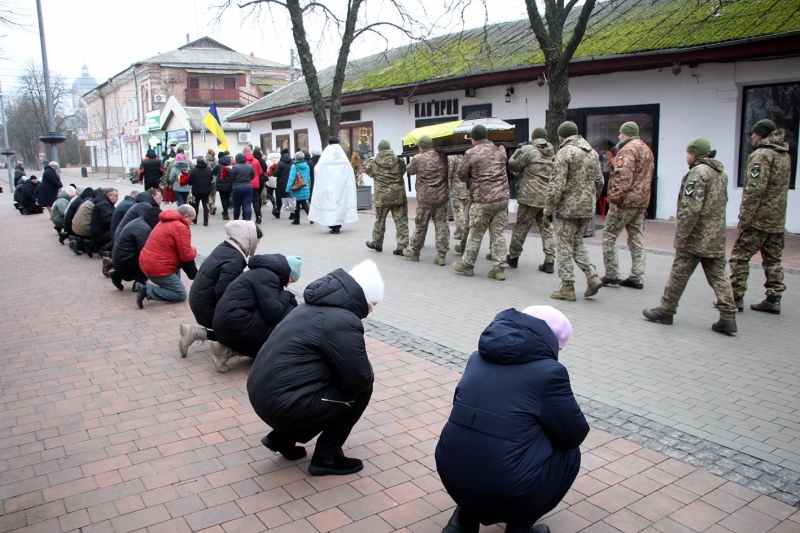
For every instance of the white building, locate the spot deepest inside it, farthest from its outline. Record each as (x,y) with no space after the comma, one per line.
(679,69)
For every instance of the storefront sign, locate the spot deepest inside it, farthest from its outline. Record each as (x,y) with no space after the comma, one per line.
(182,136)
(130,138)
(153,120)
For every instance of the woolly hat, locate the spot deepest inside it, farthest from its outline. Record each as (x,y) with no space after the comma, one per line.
(240,158)
(478,132)
(630,128)
(79,190)
(299,156)
(247,150)
(699,147)
(764,127)
(367,276)
(295,264)
(179,157)
(384,145)
(285,151)
(70,191)
(539,133)
(567,129)
(425,142)
(557,321)
(151,154)
(315,152)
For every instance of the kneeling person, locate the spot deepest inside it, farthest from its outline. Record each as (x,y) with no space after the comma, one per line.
(127,248)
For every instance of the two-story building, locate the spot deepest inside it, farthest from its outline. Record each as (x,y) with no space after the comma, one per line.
(124,112)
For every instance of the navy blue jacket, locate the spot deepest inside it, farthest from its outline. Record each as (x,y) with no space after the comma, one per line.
(129,243)
(514,414)
(219,269)
(120,211)
(253,304)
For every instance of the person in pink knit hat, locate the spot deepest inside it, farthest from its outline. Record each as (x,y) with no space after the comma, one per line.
(513,414)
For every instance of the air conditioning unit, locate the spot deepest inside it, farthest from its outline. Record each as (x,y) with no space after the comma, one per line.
(244,138)
(160,98)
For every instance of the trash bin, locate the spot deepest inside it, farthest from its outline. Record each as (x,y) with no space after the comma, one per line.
(364,197)
(84,172)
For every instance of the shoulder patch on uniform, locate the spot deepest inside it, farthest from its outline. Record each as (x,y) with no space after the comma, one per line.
(620,161)
(688,189)
(755,172)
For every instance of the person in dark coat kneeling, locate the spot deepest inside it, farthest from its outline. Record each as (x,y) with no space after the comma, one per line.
(253,305)
(313,374)
(225,263)
(127,247)
(514,414)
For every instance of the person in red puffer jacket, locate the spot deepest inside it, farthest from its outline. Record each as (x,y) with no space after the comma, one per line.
(168,250)
(255,183)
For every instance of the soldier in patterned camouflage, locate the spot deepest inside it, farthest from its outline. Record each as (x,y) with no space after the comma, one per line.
(762,216)
(628,196)
(484,167)
(576,183)
(430,167)
(459,196)
(533,164)
(700,237)
(387,170)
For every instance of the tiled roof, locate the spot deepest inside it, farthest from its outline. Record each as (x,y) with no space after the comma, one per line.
(208,53)
(196,115)
(616,28)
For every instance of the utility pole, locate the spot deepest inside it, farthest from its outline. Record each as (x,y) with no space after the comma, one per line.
(51,138)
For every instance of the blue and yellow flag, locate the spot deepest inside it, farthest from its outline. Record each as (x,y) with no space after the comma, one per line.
(214,125)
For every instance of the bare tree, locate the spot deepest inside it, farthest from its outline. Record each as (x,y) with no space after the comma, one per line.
(350,27)
(550,35)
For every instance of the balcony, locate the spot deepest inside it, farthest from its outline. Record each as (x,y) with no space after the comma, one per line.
(206,96)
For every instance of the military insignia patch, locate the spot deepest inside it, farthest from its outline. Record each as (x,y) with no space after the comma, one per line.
(755,172)
(620,161)
(688,190)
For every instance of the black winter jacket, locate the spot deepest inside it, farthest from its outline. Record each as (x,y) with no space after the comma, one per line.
(120,211)
(241,174)
(200,178)
(254,304)
(144,201)
(102,214)
(222,185)
(73,208)
(29,195)
(219,269)
(514,414)
(281,172)
(315,361)
(129,243)
(48,189)
(152,172)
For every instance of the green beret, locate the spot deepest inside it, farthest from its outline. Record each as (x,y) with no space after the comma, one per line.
(539,133)
(699,147)
(425,142)
(478,132)
(630,128)
(384,145)
(764,127)
(567,129)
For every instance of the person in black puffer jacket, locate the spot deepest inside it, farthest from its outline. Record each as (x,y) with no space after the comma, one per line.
(151,170)
(282,178)
(225,263)
(253,305)
(513,414)
(144,201)
(100,226)
(313,374)
(201,178)
(128,245)
(29,197)
(122,209)
(224,186)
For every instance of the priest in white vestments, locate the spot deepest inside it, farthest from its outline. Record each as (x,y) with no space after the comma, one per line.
(334,198)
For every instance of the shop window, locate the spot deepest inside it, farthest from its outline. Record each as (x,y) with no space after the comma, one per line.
(779,103)
(359,138)
(301,140)
(266,143)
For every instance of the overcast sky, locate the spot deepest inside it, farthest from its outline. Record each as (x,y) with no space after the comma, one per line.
(108,35)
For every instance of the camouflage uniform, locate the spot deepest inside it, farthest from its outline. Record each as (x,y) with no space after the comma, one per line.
(459,196)
(484,166)
(629,191)
(533,163)
(574,187)
(388,171)
(430,168)
(762,216)
(211,161)
(700,236)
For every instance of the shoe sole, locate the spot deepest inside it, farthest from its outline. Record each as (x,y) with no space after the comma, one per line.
(726,332)
(563,298)
(770,311)
(326,471)
(220,368)
(181,347)
(589,293)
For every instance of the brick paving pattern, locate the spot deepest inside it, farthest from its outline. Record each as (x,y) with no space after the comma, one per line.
(103,427)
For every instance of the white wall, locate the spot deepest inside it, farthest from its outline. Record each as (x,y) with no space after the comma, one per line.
(705,100)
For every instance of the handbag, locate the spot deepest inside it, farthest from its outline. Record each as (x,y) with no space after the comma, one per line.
(299,182)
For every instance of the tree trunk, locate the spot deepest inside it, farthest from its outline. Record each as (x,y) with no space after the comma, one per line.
(558,102)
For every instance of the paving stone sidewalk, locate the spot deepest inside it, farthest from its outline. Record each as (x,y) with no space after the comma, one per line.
(104,428)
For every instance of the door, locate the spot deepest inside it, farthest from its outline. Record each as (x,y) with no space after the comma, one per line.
(301,140)
(282,141)
(266,143)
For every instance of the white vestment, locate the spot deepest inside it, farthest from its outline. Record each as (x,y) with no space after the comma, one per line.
(333,200)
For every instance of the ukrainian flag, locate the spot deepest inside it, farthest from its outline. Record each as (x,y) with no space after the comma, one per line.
(214,125)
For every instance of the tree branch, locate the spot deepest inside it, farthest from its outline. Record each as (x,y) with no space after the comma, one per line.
(578,32)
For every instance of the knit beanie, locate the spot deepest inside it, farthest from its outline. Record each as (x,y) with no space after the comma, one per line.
(179,157)
(299,156)
(699,147)
(567,129)
(478,132)
(70,191)
(247,150)
(367,276)
(384,145)
(630,129)
(539,133)
(425,142)
(295,264)
(240,158)
(764,127)
(557,321)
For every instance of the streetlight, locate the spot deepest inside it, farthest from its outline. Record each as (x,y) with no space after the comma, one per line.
(6,151)
(52,138)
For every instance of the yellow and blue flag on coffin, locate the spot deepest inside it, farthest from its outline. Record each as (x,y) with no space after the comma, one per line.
(214,125)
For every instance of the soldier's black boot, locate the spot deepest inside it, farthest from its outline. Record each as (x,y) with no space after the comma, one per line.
(608,281)
(656,314)
(461,523)
(513,262)
(628,282)
(725,325)
(372,246)
(770,305)
(547,268)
